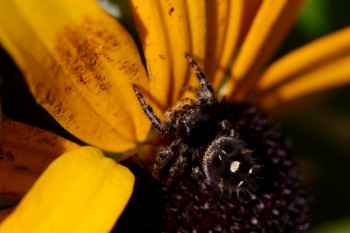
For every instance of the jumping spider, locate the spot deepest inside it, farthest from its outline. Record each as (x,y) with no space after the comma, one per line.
(201,138)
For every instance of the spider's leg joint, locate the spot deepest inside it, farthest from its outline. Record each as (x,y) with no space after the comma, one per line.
(148,110)
(202,77)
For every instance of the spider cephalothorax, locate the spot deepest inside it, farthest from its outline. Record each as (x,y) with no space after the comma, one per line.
(203,139)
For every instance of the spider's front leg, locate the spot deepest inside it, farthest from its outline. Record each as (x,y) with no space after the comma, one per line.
(162,160)
(203,81)
(148,110)
(178,168)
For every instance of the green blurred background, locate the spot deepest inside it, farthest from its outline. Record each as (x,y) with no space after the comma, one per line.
(319,129)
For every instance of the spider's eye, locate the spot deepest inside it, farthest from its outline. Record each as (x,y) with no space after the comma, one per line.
(227,163)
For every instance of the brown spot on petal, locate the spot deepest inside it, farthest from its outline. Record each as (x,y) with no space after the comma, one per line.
(130,68)
(25,151)
(21,168)
(6,155)
(82,52)
(171,10)
(68,89)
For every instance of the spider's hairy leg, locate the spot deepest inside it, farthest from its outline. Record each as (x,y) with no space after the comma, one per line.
(197,174)
(164,160)
(171,162)
(148,110)
(178,168)
(202,77)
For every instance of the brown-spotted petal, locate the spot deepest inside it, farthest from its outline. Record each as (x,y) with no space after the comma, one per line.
(79,64)
(25,152)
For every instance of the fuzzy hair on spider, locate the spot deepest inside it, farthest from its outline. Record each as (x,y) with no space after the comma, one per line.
(202,140)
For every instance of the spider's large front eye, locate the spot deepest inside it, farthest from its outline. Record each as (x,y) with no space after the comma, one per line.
(227,163)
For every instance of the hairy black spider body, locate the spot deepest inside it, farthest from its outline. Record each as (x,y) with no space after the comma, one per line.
(204,139)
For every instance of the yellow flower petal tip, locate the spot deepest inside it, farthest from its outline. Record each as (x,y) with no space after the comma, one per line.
(81,191)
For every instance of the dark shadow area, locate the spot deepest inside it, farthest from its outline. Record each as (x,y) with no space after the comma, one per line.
(320,135)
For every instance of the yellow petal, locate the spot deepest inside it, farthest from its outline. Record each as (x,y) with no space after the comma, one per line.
(196,10)
(25,152)
(78,63)
(313,56)
(164,28)
(320,65)
(218,13)
(81,191)
(228,23)
(269,27)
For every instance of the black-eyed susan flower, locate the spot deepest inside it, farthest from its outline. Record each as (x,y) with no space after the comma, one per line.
(79,64)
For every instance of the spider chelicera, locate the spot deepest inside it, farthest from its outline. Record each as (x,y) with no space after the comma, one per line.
(203,140)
